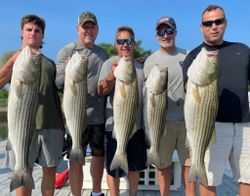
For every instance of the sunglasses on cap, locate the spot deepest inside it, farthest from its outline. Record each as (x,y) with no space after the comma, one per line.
(127,41)
(165,31)
(209,23)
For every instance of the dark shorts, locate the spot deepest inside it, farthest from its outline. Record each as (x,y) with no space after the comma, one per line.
(94,136)
(136,153)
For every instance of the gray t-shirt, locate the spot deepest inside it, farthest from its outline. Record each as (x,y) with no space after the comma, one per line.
(95,103)
(105,71)
(176,92)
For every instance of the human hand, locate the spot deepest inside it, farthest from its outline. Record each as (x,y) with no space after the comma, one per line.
(114,65)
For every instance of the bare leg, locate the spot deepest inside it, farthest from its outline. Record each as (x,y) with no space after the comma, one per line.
(164,180)
(113,184)
(76,178)
(96,170)
(207,191)
(188,186)
(48,181)
(133,179)
(244,189)
(23,191)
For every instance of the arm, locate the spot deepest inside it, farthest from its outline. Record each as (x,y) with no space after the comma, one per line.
(61,61)
(105,86)
(6,70)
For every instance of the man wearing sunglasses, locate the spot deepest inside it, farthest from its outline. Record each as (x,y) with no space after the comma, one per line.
(174,136)
(136,148)
(87,29)
(233,118)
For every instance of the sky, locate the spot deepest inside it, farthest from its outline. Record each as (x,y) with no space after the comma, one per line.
(61,18)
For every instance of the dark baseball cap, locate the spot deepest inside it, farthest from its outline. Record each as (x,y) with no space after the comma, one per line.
(166,20)
(85,17)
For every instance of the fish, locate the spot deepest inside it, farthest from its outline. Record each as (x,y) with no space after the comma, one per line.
(74,103)
(21,113)
(125,106)
(156,104)
(200,110)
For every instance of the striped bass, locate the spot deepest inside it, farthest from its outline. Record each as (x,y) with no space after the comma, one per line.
(125,105)
(74,103)
(22,106)
(156,108)
(200,110)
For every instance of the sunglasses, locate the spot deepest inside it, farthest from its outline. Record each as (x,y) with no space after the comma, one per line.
(127,41)
(209,23)
(165,31)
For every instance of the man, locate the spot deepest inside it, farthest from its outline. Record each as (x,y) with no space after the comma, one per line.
(136,149)
(47,143)
(174,136)
(233,117)
(87,29)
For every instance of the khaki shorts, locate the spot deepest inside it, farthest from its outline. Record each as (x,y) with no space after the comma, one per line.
(174,137)
(46,149)
(233,145)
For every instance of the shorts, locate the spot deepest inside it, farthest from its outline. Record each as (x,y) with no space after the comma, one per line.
(45,149)
(136,153)
(94,136)
(174,137)
(233,145)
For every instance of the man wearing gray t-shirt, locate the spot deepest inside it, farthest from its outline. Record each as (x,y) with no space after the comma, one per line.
(174,136)
(136,147)
(87,28)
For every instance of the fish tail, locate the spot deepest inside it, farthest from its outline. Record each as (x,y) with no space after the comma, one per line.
(120,160)
(199,172)
(154,158)
(21,178)
(76,155)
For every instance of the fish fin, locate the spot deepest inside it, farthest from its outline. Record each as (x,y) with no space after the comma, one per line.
(199,172)
(19,89)
(72,87)
(196,94)
(122,90)
(21,178)
(153,158)
(76,155)
(212,139)
(152,99)
(120,161)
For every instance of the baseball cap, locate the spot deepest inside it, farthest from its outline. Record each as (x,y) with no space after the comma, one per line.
(85,17)
(166,20)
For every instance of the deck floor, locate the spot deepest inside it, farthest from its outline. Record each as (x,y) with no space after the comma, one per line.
(227,188)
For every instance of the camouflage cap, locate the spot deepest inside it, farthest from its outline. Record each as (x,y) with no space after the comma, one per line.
(166,20)
(85,17)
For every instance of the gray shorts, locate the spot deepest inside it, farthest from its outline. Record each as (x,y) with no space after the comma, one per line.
(45,149)
(233,145)
(174,137)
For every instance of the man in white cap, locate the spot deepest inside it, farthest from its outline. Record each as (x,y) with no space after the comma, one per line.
(174,136)
(87,28)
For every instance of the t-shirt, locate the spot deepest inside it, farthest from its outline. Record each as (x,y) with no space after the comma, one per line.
(96,57)
(105,71)
(176,95)
(233,79)
(48,115)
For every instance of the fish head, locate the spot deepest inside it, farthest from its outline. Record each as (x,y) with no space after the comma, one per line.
(27,67)
(157,80)
(125,70)
(76,68)
(203,69)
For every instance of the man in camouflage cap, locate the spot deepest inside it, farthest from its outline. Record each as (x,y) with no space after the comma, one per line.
(87,29)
